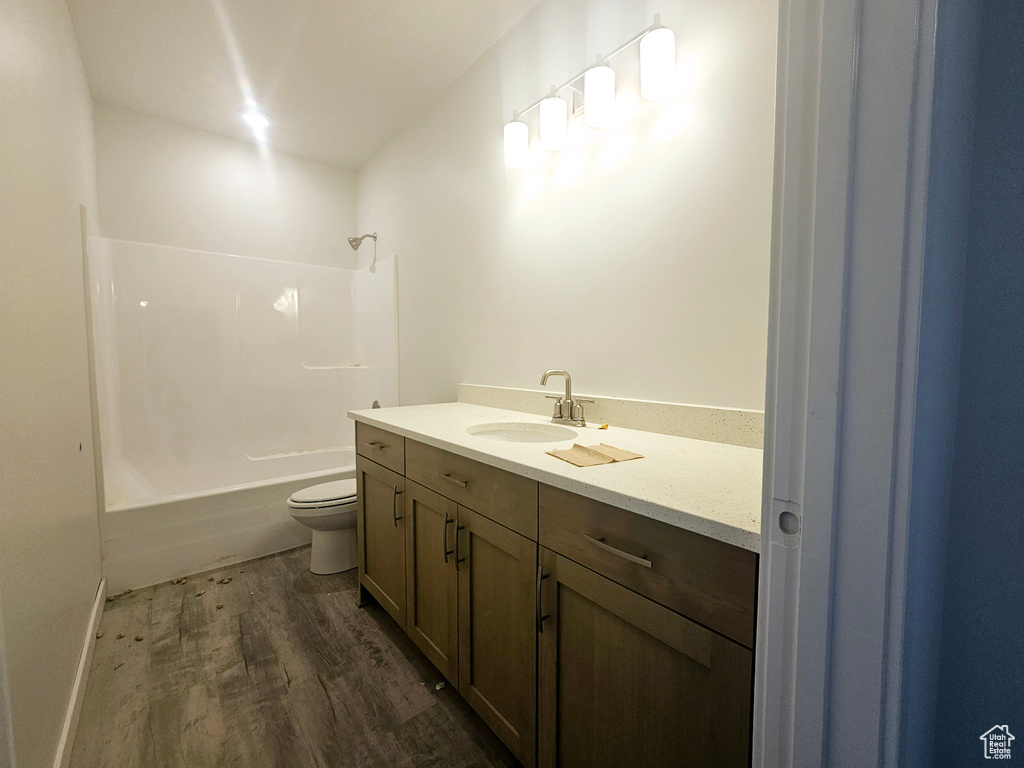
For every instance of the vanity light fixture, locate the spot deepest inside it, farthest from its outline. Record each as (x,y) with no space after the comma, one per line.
(657,63)
(657,71)
(517,144)
(598,96)
(554,122)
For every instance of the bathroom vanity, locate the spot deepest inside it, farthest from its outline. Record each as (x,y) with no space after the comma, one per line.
(599,616)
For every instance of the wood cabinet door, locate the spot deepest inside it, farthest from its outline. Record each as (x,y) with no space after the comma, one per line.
(497,629)
(380,523)
(432,587)
(625,681)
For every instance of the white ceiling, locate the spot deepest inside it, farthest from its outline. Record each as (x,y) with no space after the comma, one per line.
(337,77)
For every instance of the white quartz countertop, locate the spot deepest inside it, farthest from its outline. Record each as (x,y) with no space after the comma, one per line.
(709,488)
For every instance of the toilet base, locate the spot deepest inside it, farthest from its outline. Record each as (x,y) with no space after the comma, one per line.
(333,551)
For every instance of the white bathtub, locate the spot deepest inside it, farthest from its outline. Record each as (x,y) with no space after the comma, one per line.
(146,542)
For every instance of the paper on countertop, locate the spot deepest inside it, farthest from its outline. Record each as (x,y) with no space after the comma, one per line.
(616,453)
(593,455)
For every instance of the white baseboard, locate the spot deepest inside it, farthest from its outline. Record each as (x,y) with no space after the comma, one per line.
(67,734)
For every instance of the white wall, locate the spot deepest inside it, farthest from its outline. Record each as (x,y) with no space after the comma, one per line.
(49,540)
(161,182)
(638,259)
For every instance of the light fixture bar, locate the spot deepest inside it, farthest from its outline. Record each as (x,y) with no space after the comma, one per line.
(633,40)
(600,60)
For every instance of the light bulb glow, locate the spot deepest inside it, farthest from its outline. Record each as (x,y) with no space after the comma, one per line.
(517,144)
(258,122)
(598,96)
(657,63)
(554,123)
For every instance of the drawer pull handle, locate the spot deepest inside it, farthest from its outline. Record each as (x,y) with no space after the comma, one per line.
(444,538)
(394,506)
(447,476)
(600,542)
(377,446)
(540,614)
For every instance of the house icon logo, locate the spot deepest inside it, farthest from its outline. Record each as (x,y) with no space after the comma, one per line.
(997,742)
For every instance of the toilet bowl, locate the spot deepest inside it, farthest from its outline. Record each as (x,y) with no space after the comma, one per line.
(330,510)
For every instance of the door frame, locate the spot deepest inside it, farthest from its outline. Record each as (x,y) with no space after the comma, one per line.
(854,124)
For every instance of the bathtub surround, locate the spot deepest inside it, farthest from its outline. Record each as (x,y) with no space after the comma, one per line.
(637,258)
(720,425)
(220,371)
(164,183)
(49,539)
(223,383)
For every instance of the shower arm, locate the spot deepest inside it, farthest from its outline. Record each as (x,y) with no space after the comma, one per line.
(355,242)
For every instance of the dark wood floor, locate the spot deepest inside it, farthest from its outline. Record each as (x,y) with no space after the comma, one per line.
(289,672)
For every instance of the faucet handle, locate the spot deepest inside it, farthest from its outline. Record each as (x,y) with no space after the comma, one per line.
(557,414)
(577,411)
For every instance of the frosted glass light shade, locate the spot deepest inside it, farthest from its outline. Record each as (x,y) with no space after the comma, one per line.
(598,96)
(554,123)
(517,144)
(657,63)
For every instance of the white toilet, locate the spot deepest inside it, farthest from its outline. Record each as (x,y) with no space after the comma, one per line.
(330,510)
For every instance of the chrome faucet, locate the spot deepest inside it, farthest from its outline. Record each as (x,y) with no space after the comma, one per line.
(567,410)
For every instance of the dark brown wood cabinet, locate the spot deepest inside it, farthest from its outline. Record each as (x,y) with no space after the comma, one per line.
(380,528)
(502,496)
(470,595)
(381,447)
(432,612)
(706,580)
(616,641)
(497,632)
(625,681)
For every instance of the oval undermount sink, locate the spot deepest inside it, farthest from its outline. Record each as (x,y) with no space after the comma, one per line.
(522,432)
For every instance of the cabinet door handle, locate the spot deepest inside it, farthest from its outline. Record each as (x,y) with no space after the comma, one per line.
(444,538)
(448,476)
(540,581)
(377,446)
(456,551)
(600,542)
(394,506)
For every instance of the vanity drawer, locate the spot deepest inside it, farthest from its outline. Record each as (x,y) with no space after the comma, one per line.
(502,496)
(704,579)
(380,446)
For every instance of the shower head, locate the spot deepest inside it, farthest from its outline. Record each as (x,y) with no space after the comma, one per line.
(356,241)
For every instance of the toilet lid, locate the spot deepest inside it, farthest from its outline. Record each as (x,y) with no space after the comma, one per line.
(333,491)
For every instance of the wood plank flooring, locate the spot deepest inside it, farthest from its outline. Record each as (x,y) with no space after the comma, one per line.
(276,668)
